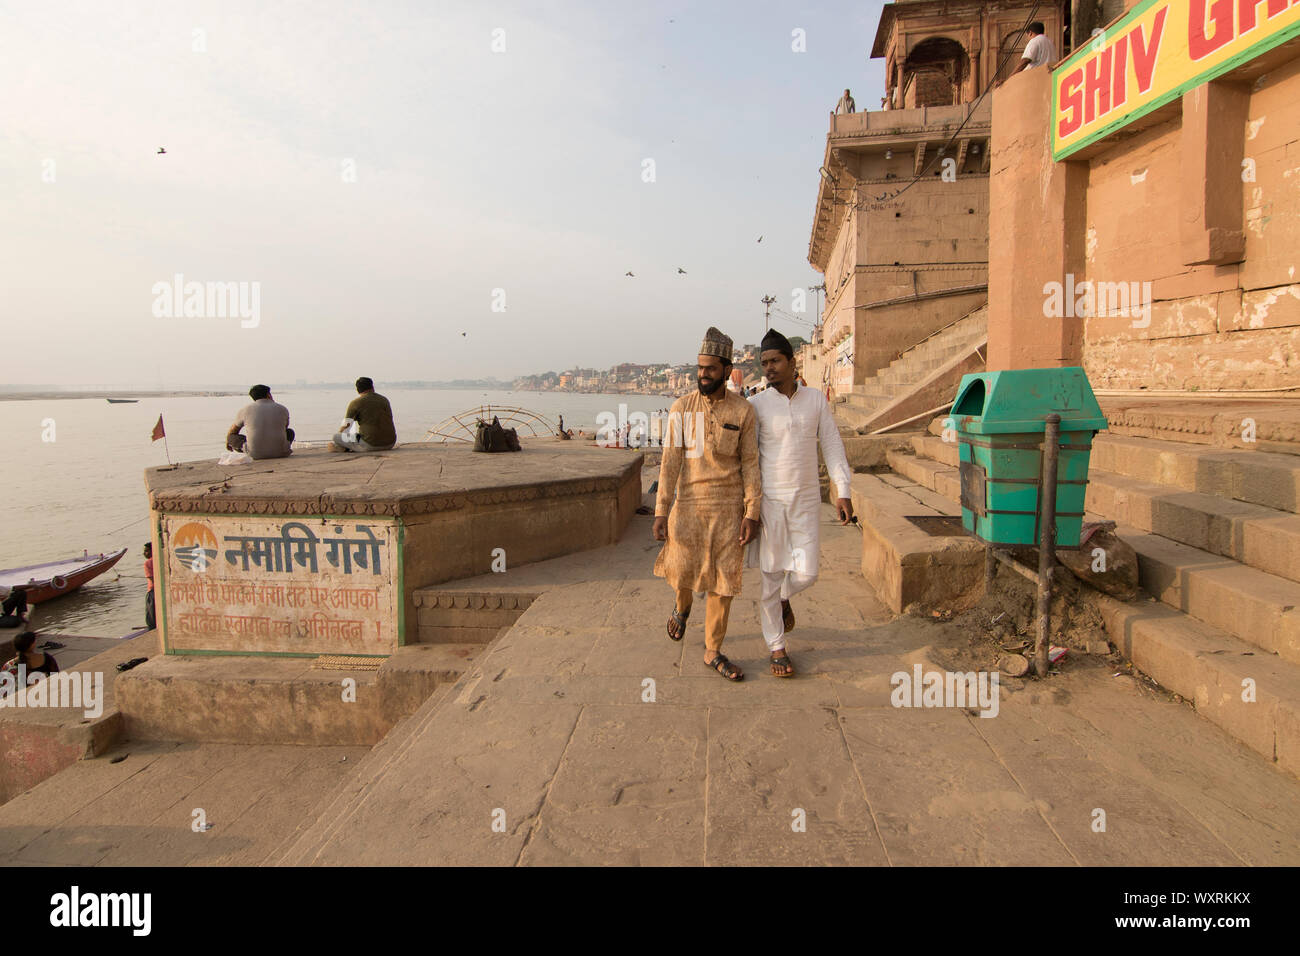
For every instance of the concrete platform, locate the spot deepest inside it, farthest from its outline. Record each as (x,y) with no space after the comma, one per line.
(322,553)
(550,735)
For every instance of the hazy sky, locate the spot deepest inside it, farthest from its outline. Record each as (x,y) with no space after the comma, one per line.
(475,170)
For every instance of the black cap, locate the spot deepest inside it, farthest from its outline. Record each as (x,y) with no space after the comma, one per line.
(774,340)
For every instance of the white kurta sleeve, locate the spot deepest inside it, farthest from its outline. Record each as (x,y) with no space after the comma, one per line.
(837,463)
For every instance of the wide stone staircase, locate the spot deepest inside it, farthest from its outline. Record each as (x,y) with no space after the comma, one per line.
(921,378)
(1215,523)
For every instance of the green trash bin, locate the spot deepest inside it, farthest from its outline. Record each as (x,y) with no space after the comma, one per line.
(1001,420)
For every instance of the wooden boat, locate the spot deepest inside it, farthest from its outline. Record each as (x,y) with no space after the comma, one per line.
(56,578)
(123,401)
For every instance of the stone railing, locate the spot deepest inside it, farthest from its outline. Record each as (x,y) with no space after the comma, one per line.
(875,122)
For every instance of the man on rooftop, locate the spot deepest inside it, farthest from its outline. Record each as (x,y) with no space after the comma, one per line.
(1038,51)
(845,105)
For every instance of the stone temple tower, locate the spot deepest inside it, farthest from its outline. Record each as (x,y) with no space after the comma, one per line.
(900,230)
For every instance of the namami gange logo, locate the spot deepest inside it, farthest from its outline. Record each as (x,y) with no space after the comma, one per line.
(195,546)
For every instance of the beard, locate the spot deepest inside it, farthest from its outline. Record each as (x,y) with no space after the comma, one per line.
(710,388)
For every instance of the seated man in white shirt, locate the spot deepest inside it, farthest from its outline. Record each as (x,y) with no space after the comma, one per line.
(791,421)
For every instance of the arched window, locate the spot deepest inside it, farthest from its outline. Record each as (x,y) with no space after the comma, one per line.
(934,72)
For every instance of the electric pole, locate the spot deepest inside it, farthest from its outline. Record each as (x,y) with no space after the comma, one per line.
(767,301)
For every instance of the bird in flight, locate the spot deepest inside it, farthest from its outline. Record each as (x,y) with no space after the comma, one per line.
(629,274)
(681,271)
(760,238)
(161,150)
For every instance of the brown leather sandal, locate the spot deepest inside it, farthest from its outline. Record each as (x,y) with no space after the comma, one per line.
(724,667)
(680,621)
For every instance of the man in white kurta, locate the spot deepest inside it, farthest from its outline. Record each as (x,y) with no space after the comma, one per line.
(792,419)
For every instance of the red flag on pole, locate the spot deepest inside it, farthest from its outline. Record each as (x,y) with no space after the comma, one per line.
(158,430)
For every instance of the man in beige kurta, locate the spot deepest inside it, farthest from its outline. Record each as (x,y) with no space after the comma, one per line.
(709,499)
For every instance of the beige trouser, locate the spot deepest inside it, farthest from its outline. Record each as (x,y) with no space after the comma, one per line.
(716,612)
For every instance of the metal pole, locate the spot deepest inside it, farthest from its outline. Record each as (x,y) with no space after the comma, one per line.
(1046,540)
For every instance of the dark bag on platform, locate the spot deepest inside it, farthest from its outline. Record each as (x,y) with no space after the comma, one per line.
(495,438)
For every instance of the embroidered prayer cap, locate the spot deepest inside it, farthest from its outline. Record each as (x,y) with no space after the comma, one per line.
(715,343)
(775,341)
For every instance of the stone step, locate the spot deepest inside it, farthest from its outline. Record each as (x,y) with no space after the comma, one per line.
(871,398)
(322,821)
(849,416)
(910,370)
(1258,608)
(282,700)
(1262,538)
(937,450)
(935,352)
(448,615)
(935,476)
(959,334)
(903,563)
(1256,477)
(867,453)
(1213,670)
(864,395)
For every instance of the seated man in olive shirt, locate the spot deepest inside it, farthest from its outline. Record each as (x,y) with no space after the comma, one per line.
(374,418)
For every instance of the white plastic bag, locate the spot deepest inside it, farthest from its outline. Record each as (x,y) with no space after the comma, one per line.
(234,458)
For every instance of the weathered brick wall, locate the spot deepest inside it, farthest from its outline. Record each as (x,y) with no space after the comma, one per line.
(1230,326)
(1132,214)
(933,89)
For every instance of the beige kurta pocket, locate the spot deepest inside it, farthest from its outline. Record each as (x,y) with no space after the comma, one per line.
(726,442)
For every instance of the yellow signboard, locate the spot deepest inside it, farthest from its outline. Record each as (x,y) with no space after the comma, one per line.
(1154,54)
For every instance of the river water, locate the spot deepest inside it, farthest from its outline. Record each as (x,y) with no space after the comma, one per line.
(74,477)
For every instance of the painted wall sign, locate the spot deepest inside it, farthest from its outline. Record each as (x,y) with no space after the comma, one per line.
(843,375)
(280,585)
(1158,51)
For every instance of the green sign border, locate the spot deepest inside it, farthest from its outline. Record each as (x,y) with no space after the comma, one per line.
(1245,56)
(160,572)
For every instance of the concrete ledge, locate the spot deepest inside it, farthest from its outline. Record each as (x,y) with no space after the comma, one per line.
(475,616)
(249,700)
(868,452)
(1262,538)
(1220,423)
(1256,477)
(1208,667)
(903,563)
(36,743)
(1256,607)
